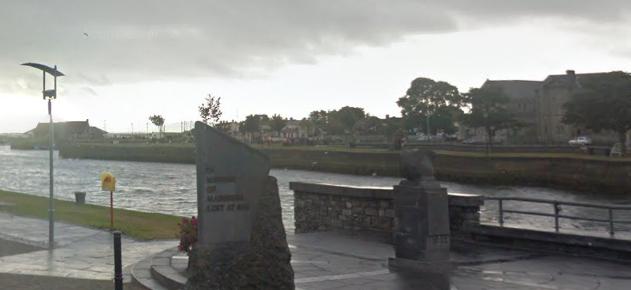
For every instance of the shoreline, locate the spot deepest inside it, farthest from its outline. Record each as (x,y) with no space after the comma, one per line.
(568,171)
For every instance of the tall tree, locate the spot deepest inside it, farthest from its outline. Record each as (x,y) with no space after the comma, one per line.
(210,110)
(277,122)
(309,126)
(252,124)
(488,111)
(158,121)
(602,103)
(319,120)
(343,120)
(425,97)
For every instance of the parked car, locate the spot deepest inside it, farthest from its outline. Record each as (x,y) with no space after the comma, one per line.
(581,140)
(418,137)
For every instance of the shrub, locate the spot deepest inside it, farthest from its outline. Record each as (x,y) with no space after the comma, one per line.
(188,234)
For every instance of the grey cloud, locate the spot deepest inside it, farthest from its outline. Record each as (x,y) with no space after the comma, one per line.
(143,39)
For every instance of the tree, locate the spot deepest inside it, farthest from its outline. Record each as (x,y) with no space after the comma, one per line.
(252,124)
(309,126)
(488,111)
(224,126)
(343,120)
(371,125)
(277,123)
(210,111)
(319,120)
(348,116)
(157,120)
(602,103)
(425,97)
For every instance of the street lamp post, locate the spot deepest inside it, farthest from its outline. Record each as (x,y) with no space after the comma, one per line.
(49,95)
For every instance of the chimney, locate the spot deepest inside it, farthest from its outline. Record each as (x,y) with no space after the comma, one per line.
(571,75)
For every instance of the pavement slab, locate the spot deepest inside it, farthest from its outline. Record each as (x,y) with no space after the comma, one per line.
(340,261)
(320,261)
(80,252)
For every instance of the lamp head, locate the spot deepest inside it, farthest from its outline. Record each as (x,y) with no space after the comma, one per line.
(50,94)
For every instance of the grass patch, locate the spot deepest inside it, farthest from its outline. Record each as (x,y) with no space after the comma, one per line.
(139,225)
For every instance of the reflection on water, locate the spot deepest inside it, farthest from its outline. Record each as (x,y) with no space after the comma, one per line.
(170,188)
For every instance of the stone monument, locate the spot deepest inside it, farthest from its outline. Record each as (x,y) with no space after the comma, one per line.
(241,239)
(421,234)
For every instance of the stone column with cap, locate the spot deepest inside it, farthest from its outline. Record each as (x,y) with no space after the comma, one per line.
(421,234)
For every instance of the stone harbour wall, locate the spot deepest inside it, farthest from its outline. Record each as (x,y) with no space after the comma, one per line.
(582,173)
(324,207)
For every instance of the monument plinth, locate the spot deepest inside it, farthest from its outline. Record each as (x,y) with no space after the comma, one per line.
(241,239)
(421,234)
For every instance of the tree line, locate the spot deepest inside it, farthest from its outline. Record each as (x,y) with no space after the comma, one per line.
(430,107)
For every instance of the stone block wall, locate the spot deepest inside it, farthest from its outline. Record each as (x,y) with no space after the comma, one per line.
(324,207)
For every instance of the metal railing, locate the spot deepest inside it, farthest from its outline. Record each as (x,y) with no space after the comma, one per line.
(556,207)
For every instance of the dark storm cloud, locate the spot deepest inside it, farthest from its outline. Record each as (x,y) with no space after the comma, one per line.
(100,42)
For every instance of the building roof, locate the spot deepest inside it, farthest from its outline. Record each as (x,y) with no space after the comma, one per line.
(67,128)
(516,88)
(569,78)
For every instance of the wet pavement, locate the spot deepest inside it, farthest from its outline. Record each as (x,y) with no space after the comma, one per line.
(333,261)
(80,252)
(320,261)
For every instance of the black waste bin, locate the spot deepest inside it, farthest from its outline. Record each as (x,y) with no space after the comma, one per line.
(79,197)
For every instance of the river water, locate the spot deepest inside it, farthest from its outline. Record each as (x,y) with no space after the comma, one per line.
(170,188)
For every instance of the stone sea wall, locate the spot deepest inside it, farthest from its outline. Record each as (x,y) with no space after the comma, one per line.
(323,207)
(575,173)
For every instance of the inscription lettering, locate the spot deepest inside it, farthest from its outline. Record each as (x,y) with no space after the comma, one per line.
(439,240)
(225,197)
(220,179)
(227,207)
(216,207)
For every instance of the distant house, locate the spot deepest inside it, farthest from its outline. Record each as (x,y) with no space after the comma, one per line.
(68,131)
(294,130)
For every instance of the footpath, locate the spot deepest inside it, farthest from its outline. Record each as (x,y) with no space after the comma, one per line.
(84,256)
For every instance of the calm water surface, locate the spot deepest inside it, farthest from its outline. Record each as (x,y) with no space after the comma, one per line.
(170,188)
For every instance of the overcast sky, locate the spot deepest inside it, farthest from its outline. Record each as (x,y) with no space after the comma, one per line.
(126,60)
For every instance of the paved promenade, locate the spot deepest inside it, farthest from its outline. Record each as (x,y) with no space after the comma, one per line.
(320,261)
(80,252)
(330,261)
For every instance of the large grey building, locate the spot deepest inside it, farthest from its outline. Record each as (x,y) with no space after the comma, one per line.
(522,105)
(555,91)
(539,106)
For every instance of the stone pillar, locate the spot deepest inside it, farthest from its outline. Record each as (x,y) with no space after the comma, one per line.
(421,234)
